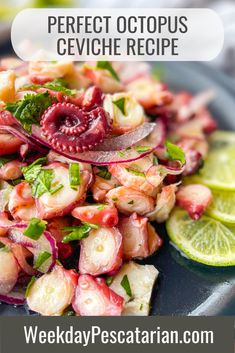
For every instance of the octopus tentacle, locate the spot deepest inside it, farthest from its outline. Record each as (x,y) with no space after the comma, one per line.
(70,128)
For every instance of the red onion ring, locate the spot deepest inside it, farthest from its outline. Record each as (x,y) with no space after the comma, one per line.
(15,297)
(155,139)
(17,131)
(126,140)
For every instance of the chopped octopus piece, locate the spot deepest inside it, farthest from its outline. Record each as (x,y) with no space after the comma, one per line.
(164,205)
(133,175)
(101,186)
(127,120)
(128,200)
(105,215)
(141,279)
(149,92)
(64,200)
(11,170)
(56,227)
(194,199)
(9,144)
(21,203)
(53,292)
(103,79)
(94,298)
(135,236)
(154,241)
(9,270)
(101,252)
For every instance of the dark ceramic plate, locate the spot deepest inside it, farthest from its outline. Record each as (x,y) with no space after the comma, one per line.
(185,287)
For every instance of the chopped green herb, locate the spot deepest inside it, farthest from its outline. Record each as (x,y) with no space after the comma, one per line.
(175,152)
(42,257)
(40,179)
(78,232)
(31,172)
(74,175)
(155,160)
(109,280)
(29,286)
(101,206)
(121,154)
(104,173)
(105,65)
(69,313)
(29,110)
(4,247)
(141,306)
(56,188)
(115,199)
(126,285)
(121,104)
(35,228)
(58,85)
(131,202)
(16,181)
(135,172)
(141,149)
(42,183)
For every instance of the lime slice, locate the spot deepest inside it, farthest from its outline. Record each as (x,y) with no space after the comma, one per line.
(218,171)
(207,240)
(221,138)
(223,206)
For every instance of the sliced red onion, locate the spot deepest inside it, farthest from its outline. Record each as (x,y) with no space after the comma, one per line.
(17,131)
(148,145)
(15,297)
(126,140)
(46,242)
(174,170)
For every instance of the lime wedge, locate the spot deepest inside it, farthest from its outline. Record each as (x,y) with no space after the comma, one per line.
(207,240)
(223,206)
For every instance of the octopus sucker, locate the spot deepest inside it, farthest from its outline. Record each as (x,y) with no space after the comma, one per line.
(70,128)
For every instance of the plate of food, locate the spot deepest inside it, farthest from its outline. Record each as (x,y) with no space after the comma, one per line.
(117,190)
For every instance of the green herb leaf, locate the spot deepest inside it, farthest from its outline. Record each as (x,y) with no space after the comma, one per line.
(31,172)
(101,206)
(56,188)
(142,149)
(121,154)
(42,183)
(105,65)
(175,152)
(74,175)
(40,179)
(35,228)
(104,173)
(4,247)
(58,85)
(135,172)
(121,104)
(109,280)
(126,285)
(29,110)
(78,232)
(29,286)
(42,257)
(131,202)
(69,313)
(155,160)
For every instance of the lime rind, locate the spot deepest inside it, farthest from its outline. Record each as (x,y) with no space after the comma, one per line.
(207,240)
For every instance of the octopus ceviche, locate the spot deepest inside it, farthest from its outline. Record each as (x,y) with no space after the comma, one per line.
(92,156)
